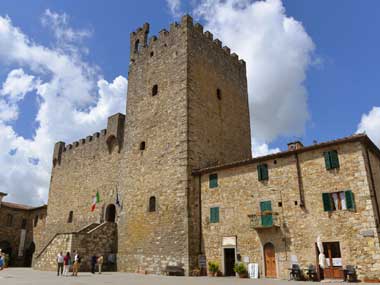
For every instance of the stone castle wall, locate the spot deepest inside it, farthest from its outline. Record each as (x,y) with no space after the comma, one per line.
(239,194)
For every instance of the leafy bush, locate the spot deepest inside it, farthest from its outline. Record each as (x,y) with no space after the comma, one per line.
(213,266)
(240,268)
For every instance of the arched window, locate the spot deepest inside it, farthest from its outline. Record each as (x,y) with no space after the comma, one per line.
(152,204)
(154,90)
(142,145)
(70,218)
(137,46)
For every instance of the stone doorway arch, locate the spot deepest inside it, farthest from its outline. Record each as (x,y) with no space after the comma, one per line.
(110,213)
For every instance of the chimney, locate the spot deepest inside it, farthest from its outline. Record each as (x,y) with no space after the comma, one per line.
(2,195)
(294,145)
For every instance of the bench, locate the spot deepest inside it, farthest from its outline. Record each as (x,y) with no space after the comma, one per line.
(171,270)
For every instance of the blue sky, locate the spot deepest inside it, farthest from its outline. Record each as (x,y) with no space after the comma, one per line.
(329,85)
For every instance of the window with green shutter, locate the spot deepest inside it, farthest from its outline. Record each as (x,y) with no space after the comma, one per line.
(214,215)
(327,203)
(350,202)
(331,159)
(262,172)
(213,180)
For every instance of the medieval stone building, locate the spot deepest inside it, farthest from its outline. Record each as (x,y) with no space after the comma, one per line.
(17,230)
(177,182)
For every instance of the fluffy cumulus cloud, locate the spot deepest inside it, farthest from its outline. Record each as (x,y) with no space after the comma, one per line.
(174,7)
(73,101)
(278,52)
(370,124)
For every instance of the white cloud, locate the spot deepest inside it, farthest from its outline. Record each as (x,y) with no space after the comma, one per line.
(174,7)
(74,101)
(370,124)
(277,51)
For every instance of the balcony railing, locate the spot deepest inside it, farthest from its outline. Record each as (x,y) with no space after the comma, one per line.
(264,220)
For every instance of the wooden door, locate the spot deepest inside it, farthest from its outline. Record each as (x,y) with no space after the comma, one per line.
(266,220)
(333,269)
(270,261)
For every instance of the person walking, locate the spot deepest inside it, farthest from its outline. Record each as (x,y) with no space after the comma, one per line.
(60,260)
(93,263)
(100,263)
(2,261)
(66,264)
(77,260)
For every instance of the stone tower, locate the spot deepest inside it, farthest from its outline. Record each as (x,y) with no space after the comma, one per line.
(187,108)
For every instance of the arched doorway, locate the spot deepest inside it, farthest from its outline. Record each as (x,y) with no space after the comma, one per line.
(270,260)
(7,249)
(110,213)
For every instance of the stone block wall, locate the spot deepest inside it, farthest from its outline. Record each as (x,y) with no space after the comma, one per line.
(239,194)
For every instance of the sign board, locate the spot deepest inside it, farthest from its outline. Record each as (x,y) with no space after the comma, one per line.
(202,261)
(253,270)
(229,241)
(22,243)
(337,261)
(293,259)
(246,259)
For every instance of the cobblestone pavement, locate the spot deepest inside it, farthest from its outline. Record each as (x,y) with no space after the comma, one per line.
(28,276)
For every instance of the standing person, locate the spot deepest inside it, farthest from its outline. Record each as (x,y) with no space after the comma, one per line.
(60,263)
(100,263)
(77,260)
(66,264)
(1,261)
(93,263)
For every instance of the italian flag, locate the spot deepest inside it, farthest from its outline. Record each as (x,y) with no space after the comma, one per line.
(95,200)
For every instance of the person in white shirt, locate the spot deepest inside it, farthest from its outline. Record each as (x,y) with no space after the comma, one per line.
(76,264)
(60,264)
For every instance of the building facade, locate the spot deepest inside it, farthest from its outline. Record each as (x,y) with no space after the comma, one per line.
(17,230)
(187,116)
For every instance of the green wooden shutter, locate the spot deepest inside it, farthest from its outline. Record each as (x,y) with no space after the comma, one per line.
(266,220)
(327,206)
(334,159)
(214,215)
(262,172)
(327,159)
(350,202)
(213,180)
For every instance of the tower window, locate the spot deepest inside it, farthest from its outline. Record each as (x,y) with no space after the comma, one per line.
(154,90)
(36,220)
(70,218)
(23,224)
(9,220)
(151,53)
(142,145)
(152,204)
(219,94)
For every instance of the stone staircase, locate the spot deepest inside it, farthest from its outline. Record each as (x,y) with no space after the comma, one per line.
(92,239)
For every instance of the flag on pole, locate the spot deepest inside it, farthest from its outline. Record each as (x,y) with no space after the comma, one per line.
(95,200)
(117,200)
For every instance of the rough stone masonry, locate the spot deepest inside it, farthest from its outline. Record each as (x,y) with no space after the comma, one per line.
(187,116)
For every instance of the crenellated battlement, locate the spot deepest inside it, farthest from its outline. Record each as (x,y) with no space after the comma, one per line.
(106,138)
(142,47)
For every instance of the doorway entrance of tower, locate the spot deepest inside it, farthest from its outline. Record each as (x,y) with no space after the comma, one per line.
(110,213)
(333,265)
(229,261)
(270,260)
(7,249)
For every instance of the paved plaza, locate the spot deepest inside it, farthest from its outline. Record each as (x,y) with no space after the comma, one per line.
(18,276)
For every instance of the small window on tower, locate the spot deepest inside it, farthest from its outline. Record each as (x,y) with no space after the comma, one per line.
(23,224)
(142,146)
(70,218)
(155,90)
(219,94)
(152,204)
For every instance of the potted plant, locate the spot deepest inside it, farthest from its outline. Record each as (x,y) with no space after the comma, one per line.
(240,269)
(213,268)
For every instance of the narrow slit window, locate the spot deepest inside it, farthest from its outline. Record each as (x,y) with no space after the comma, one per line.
(152,204)
(70,218)
(219,94)
(137,46)
(142,146)
(155,90)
